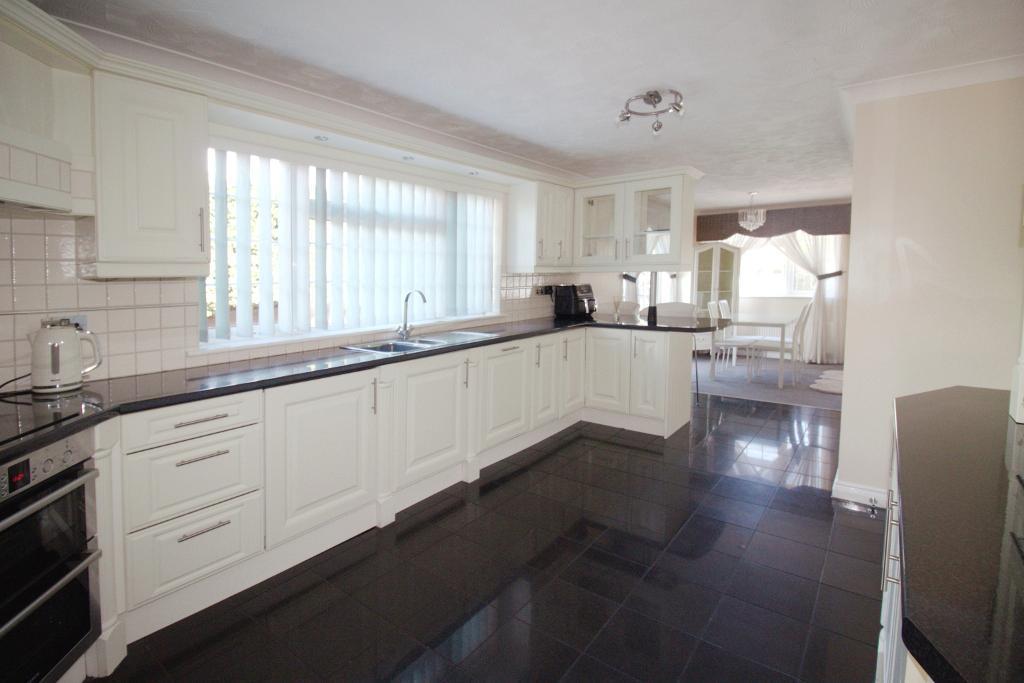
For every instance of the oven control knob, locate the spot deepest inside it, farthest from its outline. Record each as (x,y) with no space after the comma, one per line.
(47,465)
(67,456)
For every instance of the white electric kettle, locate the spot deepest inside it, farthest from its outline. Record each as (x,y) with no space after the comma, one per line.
(57,356)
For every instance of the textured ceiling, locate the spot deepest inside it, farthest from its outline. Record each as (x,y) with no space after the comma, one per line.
(544,79)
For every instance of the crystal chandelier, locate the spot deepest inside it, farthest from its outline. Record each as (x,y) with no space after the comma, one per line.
(652,99)
(750,218)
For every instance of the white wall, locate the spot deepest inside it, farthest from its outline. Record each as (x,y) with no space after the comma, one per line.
(936,266)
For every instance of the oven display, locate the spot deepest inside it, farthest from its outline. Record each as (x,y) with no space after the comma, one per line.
(18,476)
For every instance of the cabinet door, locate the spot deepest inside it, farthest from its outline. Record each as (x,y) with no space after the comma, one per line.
(607,362)
(653,221)
(571,377)
(647,374)
(151,182)
(320,441)
(546,366)
(555,217)
(428,420)
(598,225)
(505,390)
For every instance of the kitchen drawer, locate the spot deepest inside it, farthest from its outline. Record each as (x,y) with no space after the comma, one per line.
(188,420)
(168,556)
(169,481)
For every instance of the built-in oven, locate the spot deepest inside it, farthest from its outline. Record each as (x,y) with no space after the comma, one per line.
(49,608)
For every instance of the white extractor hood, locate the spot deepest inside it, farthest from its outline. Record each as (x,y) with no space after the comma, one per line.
(34,171)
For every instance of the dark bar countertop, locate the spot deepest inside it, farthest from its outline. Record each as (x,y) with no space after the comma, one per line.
(961,507)
(28,422)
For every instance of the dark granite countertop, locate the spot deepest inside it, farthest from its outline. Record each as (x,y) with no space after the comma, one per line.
(962,571)
(27,423)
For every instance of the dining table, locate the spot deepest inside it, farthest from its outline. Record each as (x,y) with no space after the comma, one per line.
(772,323)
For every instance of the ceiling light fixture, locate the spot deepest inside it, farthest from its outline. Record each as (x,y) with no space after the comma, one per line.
(750,218)
(652,99)
(321,138)
(408,157)
(474,173)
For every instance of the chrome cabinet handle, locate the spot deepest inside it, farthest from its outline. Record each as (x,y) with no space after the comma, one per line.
(467,373)
(214,527)
(202,231)
(50,592)
(35,507)
(627,249)
(510,348)
(616,249)
(634,347)
(540,248)
(201,420)
(537,362)
(200,458)
(559,250)
(565,349)
(373,407)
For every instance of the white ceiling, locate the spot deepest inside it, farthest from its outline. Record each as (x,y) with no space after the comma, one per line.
(545,80)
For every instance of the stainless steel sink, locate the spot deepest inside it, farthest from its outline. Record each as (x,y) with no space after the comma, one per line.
(457,337)
(390,346)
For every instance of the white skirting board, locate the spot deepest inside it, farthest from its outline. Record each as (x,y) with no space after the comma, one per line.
(856,493)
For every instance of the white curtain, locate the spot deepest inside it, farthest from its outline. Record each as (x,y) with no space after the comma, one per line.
(745,242)
(825,257)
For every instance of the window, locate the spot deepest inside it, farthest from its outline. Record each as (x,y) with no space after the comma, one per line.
(301,248)
(765,272)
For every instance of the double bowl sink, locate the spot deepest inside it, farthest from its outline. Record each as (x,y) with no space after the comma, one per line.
(395,346)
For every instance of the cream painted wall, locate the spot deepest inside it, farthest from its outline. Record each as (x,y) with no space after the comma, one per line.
(936,264)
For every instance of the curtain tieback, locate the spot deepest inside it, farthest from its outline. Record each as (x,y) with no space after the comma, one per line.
(826,276)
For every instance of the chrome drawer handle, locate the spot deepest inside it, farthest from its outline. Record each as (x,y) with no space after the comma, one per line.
(201,420)
(510,348)
(200,458)
(189,537)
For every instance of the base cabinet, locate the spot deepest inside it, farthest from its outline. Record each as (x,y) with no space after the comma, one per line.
(546,376)
(607,366)
(424,430)
(571,380)
(647,372)
(505,374)
(320,452)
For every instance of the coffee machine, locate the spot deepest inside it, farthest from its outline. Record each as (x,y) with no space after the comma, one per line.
(574,301)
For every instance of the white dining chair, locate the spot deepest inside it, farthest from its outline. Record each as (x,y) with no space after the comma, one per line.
(724,346)
(792,344)
(736,340)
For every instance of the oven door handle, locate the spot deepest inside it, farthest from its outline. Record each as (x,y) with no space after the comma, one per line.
(35,507)
(89,560)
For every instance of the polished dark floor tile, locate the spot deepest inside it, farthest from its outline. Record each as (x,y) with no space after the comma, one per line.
(569,613)
(293,602)
(562,489)
(710,663)
(642,647)
(732,511)
(812,470)
(605,574)
(517,652)
(762,635)
(454,628)
(808,530)
(665,595)
(786,555)
(864,545)
(248,662)
(495,530)
(747,491)
(557,555)
(139,665)
(712,569)
(590,670)
(851,574)
(402,592)
(703,534)
(202,636)
(629,546)
(848,614)
(772,589)
(765,452)
(457,514)
(350,567)
(832,658)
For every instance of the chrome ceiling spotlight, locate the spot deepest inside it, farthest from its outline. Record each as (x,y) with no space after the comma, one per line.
(653,100)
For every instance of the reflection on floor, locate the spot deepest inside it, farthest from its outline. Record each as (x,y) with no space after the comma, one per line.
(599,554)
(732,381)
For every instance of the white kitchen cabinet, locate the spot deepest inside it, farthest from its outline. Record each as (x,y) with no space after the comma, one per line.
(540,227)
(607,366)
(151,184)
(320,452)
(647,372)
(426,423)
(505,374)
(598,225)
(716,277)
(572,376)
(547,365)
(171,424)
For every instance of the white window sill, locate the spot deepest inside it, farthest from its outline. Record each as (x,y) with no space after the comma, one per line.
(319,339)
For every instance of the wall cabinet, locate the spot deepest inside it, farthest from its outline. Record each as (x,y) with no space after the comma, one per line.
(598,225)
(647,371)
(151,182)
(426,423)
(540,227)
(506,371)
(547,368)
(571,380)
(607,368)
(320,452)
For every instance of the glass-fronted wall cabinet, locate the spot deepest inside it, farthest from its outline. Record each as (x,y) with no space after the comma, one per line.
(599,225)
(716,277)
(654,215)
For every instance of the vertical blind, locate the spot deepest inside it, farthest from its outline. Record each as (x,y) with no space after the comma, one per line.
(299,248)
